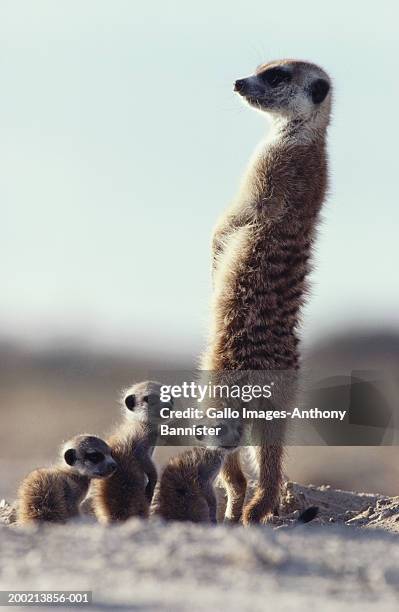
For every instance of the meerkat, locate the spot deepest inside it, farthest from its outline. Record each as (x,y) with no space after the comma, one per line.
(261,249)
(54,494)
(186,490)
(129,491)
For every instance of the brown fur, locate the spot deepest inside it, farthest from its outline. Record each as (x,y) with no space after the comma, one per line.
(51,495)
(261,251)
(128,492)
(186,489)
(123,495)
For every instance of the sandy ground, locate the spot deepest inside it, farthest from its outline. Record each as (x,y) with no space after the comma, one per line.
(152,566)
(348,557)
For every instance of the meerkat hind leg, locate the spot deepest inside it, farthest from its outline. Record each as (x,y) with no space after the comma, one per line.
(267,494)
(235,484)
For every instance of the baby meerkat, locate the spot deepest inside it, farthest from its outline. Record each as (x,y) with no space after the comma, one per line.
(130,489)
(54,494)
(186,490)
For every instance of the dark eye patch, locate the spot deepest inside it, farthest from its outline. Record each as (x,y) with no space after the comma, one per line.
(275,76)
(94,456)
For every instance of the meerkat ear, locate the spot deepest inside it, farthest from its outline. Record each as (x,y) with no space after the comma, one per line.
(70,456)
(130,402)
(318,90)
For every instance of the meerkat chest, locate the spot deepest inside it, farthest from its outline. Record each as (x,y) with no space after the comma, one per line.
(74,492)
(260,258)
(130,467)
(234,256)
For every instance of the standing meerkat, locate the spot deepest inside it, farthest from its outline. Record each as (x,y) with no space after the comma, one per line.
(186,490)
(128,492)
(54,494)
(261,248)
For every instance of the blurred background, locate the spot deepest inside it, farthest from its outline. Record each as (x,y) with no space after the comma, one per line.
(121,142)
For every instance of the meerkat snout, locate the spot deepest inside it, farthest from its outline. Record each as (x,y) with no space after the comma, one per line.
(239,85)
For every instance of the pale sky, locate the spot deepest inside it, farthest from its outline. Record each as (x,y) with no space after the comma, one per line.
(122,142)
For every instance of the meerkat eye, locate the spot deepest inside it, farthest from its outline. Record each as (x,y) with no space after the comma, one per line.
(275,76)
(94,456)
(130,402)
(145,399)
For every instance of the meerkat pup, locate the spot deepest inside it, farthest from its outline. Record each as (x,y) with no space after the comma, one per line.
(186,491)
(128,492)
(54,494)
(261,250)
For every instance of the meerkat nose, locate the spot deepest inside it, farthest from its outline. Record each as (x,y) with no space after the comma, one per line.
(239,85)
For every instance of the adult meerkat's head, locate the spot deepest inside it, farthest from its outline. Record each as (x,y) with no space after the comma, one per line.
(142,402)
(88,456)
(288,89)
